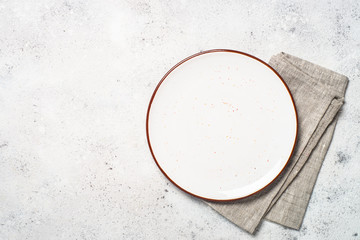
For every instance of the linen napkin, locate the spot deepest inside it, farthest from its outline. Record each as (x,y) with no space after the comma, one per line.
(318,94)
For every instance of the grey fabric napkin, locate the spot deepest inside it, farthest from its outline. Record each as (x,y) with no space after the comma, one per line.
(318,94)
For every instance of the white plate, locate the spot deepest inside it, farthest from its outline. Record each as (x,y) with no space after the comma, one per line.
(221,125)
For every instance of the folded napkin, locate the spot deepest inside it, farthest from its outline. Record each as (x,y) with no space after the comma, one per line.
(318,94)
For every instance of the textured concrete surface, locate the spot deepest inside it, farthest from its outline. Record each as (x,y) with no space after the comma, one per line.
(75,81)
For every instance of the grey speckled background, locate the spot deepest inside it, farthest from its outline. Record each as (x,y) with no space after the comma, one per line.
(75,80)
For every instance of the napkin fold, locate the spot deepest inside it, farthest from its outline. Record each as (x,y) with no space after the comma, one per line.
(318,95)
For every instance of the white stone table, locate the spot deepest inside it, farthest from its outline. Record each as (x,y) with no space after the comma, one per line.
(75,80)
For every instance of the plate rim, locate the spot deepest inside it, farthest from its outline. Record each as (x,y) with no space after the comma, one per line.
(185,60)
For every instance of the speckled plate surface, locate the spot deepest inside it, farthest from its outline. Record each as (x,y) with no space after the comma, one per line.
(221,125)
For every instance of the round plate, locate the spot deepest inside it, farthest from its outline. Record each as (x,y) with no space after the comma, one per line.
(221,125)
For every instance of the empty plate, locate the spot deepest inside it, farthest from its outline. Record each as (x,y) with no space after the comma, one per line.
(221,125)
